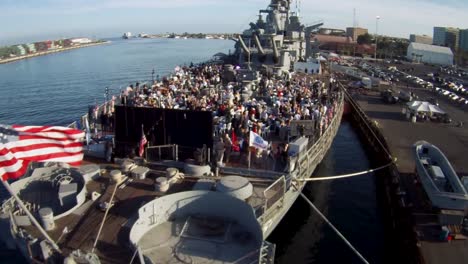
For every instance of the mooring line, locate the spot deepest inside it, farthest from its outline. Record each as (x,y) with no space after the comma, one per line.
(346,175)
(334,228)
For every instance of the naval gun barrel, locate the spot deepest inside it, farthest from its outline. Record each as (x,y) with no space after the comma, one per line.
(244,47)
(259,45)
(275,48)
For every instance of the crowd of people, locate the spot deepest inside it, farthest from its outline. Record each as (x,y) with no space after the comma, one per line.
(267,108)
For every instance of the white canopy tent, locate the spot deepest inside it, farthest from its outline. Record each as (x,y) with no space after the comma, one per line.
(422,106)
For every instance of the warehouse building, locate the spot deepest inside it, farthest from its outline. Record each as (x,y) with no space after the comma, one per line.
(424,53)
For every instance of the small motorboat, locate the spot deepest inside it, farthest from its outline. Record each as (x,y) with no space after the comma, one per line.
(439,179)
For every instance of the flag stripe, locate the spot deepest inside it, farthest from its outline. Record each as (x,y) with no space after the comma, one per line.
(52,135)
(11,164)
(47,131)
(38,143)
(11,168)
(75,147)
(6,157)
(39,140)
(40,156)
(31,154)
(14,172)
(36,129)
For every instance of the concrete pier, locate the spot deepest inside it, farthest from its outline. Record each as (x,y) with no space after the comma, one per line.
(399,134)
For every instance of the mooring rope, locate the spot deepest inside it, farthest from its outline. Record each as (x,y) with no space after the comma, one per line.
(347,175)
(334,228)
(134,255)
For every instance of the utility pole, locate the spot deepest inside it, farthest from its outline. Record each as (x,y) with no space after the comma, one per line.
(376,34)
(354,32)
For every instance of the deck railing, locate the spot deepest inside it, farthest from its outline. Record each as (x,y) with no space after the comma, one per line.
(162,152)
(273,197)
(267,253)
(177,152)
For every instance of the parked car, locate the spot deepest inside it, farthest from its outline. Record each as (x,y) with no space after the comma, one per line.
(446,118)
(405,96)
(389,97)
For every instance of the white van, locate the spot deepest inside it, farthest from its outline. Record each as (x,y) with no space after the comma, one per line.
(367,82)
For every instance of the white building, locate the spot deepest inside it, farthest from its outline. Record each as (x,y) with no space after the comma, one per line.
(425,53)
(81,40)
(311,66)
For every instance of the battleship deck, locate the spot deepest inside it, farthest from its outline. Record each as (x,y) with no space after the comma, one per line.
(400,134)
(113,245)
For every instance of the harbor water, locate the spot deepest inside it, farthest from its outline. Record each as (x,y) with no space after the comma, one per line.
(350,204)
(56,90)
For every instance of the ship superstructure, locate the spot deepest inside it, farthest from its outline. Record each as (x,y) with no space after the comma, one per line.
(276,40)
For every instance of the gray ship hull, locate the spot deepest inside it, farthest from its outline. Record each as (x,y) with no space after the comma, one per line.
(314,156)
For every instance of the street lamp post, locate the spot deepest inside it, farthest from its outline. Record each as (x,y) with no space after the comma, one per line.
(152,76)
(376,32)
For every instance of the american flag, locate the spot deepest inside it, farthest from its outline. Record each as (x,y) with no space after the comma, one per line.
(21,144)
(143,142)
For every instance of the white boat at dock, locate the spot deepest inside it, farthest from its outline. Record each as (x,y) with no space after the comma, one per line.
(440,181)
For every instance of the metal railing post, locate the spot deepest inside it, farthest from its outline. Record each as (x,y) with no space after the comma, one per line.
(177,152)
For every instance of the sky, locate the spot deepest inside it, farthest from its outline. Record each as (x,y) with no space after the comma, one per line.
(35,20)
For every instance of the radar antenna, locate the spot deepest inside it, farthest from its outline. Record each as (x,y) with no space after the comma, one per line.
(299,8)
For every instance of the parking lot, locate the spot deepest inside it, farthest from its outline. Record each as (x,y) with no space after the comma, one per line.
(444,82)
(402,133)
(443,86)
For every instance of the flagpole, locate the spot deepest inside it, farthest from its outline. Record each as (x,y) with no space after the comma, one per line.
(33,219)
(250,156)
(250,151)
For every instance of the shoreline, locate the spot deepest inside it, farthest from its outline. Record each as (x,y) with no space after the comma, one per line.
(37,54)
